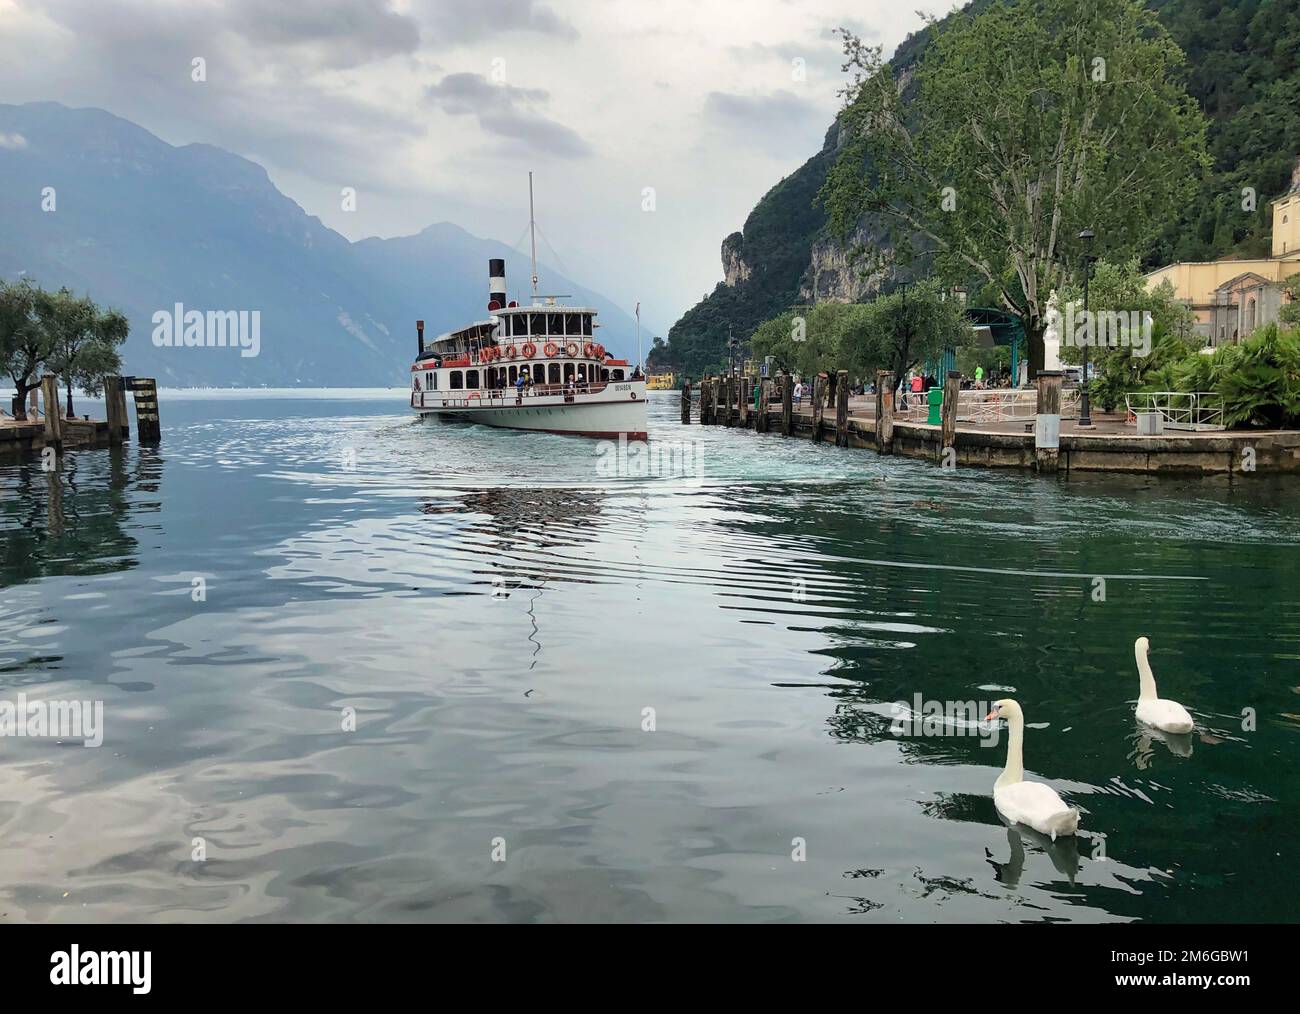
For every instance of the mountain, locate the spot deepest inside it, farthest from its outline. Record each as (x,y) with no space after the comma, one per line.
(1243,67)
(141,225)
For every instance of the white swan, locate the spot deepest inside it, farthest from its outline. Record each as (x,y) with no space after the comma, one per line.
(1167,716)
(1030,803)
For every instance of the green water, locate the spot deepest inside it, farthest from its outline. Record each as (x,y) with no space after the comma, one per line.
(499,613)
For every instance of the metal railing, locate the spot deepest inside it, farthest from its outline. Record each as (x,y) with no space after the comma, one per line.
(499,396)
(989,407)
(1180,410)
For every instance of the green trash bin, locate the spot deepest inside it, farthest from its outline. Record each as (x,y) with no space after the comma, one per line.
(935,395)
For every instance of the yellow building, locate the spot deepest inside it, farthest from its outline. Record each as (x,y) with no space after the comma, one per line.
(1231,298)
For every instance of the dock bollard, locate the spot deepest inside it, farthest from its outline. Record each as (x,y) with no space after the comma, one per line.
(948,415)
(884,412)
(1047,423)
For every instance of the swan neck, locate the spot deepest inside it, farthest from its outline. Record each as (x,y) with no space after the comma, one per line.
(1015,769)
(1146,678)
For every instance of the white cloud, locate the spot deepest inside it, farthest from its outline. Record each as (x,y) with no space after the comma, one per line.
(603,98)
(14,142)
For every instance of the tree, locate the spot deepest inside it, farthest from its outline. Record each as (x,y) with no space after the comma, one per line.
(1122,287)
(1289,313)
(24,342)
(900,330)
(1025,123)
(83,340)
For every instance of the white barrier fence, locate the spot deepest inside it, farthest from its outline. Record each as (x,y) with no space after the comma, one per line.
(1180,410)
(1009,404)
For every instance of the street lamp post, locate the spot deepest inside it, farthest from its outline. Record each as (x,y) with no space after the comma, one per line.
(1085,414)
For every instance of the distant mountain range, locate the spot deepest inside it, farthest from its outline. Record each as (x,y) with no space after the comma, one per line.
(142,225)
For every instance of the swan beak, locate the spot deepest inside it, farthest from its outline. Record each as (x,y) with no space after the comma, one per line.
(990,716)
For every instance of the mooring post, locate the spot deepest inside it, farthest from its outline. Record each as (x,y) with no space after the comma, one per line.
(704,400)
(884,412)
(727,418)
(1047,423)
(818,406)
(53,417)
(110,412)
(686,402)
(148,428)
(746,400)
(787,405)
(123,416)
(948,414)
(762,421)
(842,408)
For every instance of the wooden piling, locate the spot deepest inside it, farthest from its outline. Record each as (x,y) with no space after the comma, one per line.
(148,428)
(53,416)
(763,421)
(842,408)
(818,406)
(948,413)
(705,391)
(787,405)
(1047,423)
(746,400)
(884,412)
(686,402)
(728,418)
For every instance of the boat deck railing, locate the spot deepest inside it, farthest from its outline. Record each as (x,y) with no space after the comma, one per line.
(498,397)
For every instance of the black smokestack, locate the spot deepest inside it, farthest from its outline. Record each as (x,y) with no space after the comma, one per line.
(496,284)
(419,336)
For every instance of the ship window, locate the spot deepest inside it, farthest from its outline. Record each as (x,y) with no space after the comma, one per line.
(555,323)
(572,324)
(618,374)
(514,375)
(457,380)
(519,324)
(539,374)
(586,324)
(537,323)
(555,373)
(471,379)
(568,372)
(433,381)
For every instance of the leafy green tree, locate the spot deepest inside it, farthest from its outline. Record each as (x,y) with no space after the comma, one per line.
(900,330)
(83,340)
(1121,286)
(1026,122)
(1289,314)
(24,342)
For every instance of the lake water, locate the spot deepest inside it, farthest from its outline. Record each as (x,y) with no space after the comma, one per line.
(499,612)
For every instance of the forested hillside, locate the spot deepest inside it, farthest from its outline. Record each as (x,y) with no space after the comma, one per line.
(1243,67)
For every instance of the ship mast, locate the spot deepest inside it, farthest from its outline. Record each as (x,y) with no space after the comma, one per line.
(532,232)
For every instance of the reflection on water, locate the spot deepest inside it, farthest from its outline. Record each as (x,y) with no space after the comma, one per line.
(671,698)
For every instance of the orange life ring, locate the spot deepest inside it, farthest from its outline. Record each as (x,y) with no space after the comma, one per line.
(551,349)
(529,350)
(511,352)
(475,394)
(571,349)
(589,350)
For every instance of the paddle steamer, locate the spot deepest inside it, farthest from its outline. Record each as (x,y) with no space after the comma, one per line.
(536,367)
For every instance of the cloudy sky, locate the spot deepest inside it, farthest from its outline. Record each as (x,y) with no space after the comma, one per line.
(435,110)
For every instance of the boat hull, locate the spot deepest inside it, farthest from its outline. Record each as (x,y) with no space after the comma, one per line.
(618,410)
